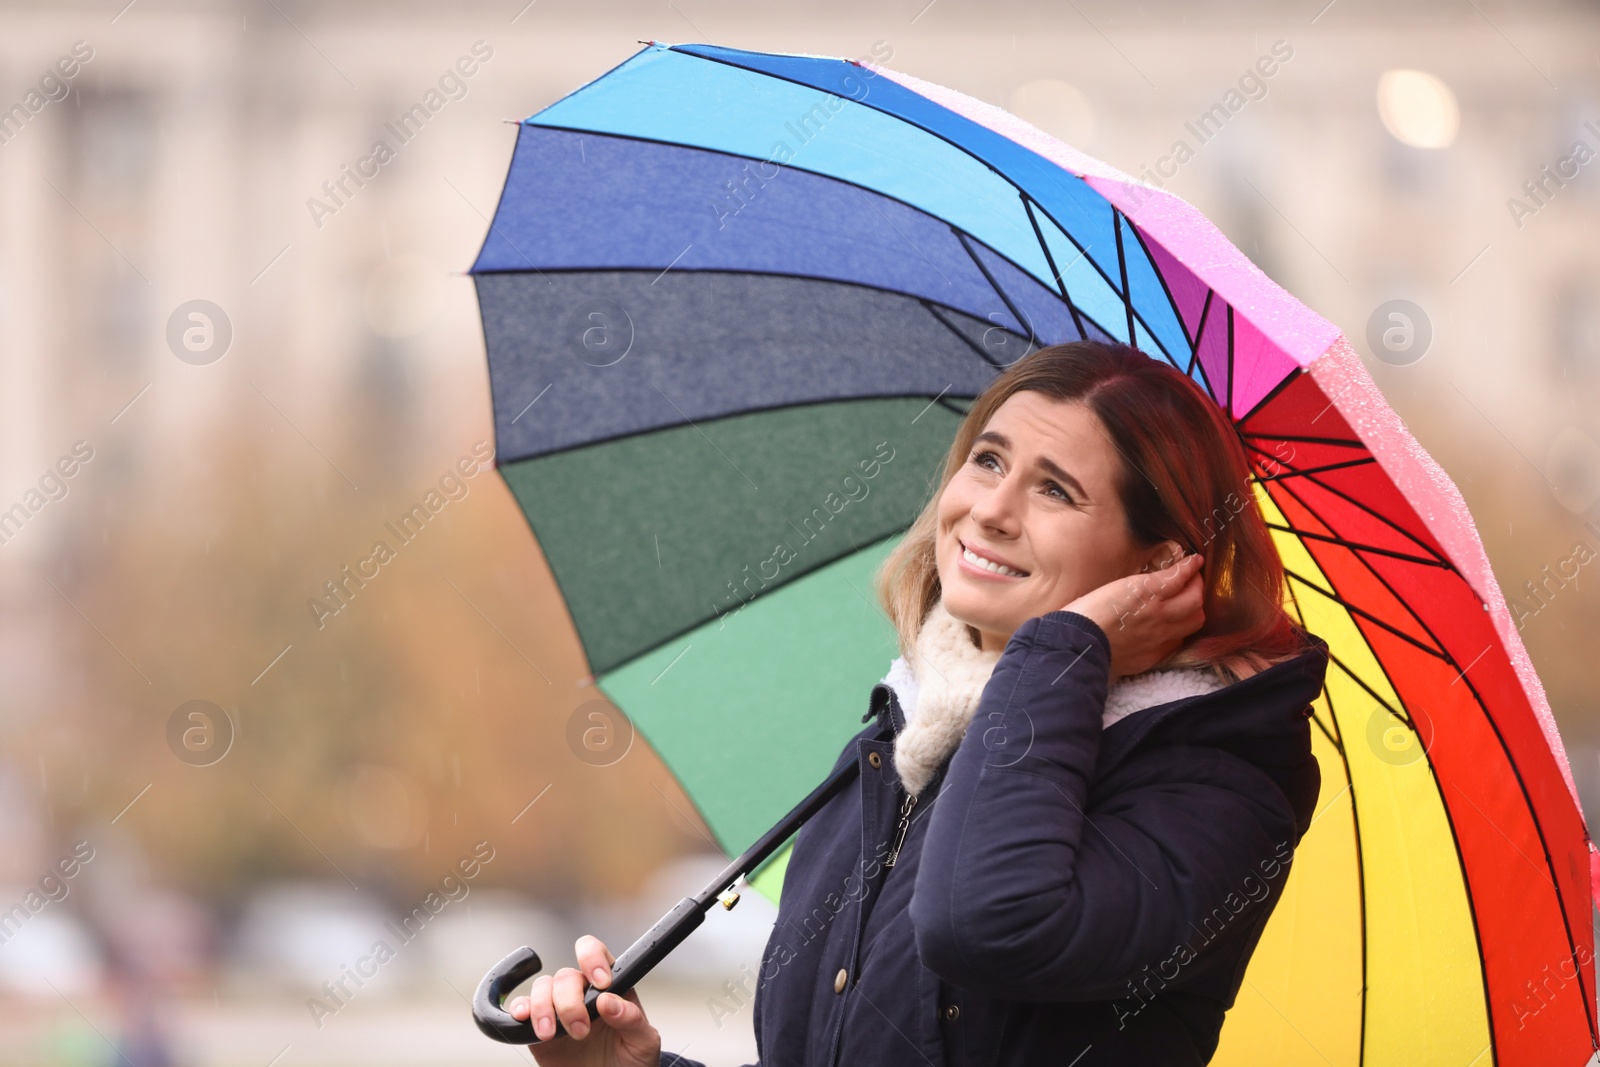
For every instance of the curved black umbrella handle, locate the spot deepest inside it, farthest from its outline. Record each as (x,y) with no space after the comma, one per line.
(667,934)
(488,1009)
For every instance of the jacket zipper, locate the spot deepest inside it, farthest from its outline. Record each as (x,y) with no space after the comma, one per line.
(899,838)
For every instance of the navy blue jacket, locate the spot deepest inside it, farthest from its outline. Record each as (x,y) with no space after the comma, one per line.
(1063,894)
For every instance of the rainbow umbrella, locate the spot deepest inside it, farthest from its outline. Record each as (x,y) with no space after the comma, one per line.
(735,305)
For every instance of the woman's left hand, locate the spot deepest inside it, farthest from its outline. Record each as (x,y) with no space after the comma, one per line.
(1146,616)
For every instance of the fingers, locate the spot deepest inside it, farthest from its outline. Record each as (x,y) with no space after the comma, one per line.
(560,996)
(1170,581)
(537,1005)
(1183,568)
(622,1013)
(595,960)
(1184,607)
(567,987)
(1171,600)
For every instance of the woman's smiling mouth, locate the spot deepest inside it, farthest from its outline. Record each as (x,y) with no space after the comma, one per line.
(987,566)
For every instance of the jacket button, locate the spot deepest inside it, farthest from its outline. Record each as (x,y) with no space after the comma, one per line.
(952,1012)
(840,979)
(875,759)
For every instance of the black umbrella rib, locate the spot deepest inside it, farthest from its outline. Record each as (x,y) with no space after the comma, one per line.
(907,120)
(999,291)
(1050,260)
(1444,564)
(1361,873)
(1122,272)
(1477,699)
(1347,498)
(1420,622)
(1087,258)
(1316,514)
(1370,617)
(1272,394)
(1398,713)
(1172,301)
(1357,546)
(1196,361)
(1232,385)
(977,349)
(1323,727)
(1305,439)
(1450,821)
(1294,473)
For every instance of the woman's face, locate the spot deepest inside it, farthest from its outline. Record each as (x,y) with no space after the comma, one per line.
(1037,495)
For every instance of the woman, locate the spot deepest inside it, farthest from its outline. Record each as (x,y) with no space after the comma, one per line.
(1100,767)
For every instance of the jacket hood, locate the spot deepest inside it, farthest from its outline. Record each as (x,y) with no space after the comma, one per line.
(1269,704)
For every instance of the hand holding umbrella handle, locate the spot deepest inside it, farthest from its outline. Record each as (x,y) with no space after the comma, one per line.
(488,1009)
(488,1002)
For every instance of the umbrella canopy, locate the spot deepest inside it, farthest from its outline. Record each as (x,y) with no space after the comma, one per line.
(735,305)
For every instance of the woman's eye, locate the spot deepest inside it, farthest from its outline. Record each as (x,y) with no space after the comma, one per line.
(983,459)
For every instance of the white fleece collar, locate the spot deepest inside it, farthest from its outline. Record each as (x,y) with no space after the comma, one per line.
(940,699)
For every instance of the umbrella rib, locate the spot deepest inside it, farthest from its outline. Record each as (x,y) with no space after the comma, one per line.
(1317,514)
(824,176)
(1483,707)
(1455,839)
(1088,259)
(1336,736)
(1122,272)
(961,336)
(1305,439)
(998,291)
(1299,612)
(1369,616)
(1358,546)
(1399,599)
(1505,749)
(503,461)
(1050,260)
(965,150)
(1361,873)
(1172,301)
(1301,473)
(1347,498)
(1398,713)
(1232,385)
(702,433)
(1200,332)
(1323,728)
(1272,394)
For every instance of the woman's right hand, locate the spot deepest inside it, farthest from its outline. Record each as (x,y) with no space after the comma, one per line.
(620,1036)
(1147,616)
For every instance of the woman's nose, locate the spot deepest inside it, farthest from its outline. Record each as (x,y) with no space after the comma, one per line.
(998,506)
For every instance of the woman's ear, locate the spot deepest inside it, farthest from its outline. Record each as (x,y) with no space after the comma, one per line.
(1163,555)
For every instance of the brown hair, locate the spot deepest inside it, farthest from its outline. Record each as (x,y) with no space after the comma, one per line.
(1184,477)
